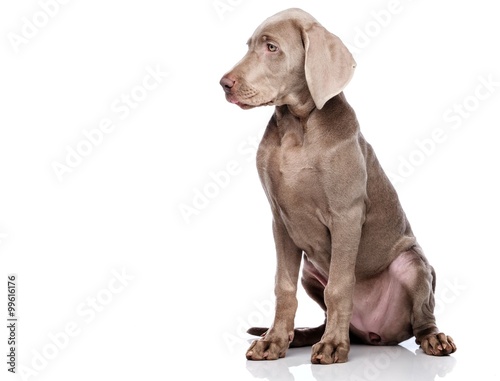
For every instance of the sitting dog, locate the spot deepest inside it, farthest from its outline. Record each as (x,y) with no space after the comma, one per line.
(333,206)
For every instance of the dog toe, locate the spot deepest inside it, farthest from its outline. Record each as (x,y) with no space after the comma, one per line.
(438,344)
(329,353)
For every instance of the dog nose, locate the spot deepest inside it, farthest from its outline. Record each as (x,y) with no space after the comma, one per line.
(227,84)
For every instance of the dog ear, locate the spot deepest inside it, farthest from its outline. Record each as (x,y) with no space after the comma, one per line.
(329,66)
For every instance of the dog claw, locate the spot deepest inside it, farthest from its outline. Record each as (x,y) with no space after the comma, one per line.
(267,349)
(329,353)
(438,345)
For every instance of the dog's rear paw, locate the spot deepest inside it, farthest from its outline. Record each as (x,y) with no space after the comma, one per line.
(257,331)
(438,345)
(302,337)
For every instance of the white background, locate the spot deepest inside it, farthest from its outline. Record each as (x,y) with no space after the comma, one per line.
(199,281)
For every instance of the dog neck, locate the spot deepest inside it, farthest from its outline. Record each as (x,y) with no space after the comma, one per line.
(295,118)
(300,104)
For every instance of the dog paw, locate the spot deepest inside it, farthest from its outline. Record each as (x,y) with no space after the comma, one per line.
(438,344)
(267,349)
(329,353)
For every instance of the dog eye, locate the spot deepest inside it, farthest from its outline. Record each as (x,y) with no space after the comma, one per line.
(272,48)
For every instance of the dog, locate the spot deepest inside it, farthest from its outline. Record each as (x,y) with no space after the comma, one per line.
(333,207)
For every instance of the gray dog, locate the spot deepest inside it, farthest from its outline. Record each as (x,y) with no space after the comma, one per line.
(332,203)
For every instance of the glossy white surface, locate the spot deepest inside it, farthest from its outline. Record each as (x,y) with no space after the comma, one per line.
(365,362)
(399,363)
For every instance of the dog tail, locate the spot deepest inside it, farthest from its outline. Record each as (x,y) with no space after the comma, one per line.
(302,337)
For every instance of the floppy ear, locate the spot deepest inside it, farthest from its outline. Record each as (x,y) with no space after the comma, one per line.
(329,66)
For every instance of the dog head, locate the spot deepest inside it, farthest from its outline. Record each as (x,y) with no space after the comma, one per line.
(291,59)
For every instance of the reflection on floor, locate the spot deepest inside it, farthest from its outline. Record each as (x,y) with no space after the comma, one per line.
(402,362)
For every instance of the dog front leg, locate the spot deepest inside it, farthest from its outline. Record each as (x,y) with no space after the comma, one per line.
(277,339)
(334,345)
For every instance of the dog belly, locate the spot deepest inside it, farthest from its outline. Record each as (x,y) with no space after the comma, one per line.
(381,304)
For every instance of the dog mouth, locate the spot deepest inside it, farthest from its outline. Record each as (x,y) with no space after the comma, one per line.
(246,106)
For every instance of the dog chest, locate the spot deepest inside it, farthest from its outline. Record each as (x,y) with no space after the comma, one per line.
(293,181)
(289,171)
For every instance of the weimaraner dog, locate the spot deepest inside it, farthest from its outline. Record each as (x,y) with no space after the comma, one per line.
(332,203)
